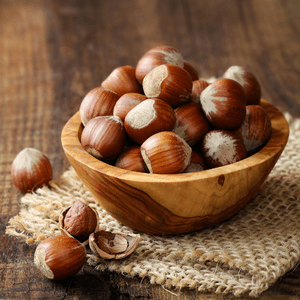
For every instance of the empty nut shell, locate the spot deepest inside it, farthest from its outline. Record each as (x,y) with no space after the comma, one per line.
(110,245)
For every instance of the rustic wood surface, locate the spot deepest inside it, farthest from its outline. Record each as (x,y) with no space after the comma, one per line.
(53,52)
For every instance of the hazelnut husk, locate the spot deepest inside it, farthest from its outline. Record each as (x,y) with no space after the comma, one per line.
(79,221)
(109,245)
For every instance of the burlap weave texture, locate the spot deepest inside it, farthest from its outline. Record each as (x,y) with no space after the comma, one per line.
(245,254)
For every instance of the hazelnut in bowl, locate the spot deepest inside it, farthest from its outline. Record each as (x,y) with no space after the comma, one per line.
(167,204)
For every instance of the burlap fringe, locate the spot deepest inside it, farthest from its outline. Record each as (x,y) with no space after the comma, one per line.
(246,254)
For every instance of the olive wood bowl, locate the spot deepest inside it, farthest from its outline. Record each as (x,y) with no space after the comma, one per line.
(175,203)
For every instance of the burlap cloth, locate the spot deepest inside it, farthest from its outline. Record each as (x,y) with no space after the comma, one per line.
(246,253)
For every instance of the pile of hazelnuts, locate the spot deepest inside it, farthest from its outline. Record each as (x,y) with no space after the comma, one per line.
(159,117)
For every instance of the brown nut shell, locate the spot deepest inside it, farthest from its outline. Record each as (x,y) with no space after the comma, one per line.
(191,123)
(170,83)
(131,159)
(256,129)
(157,56)
(78,221)
(147,118)
(126,103)
(198,87)
(248,81)
(59,257)
(197,163)
(191,70)
(224,103)
(166,153)
(104,137)
(98,102)
(31,170)
(122,80)
(110,245)
(222,147)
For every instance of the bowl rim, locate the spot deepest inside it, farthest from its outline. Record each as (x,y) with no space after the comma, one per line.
(275,145)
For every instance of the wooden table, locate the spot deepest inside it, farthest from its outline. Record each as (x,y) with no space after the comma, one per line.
(53,52)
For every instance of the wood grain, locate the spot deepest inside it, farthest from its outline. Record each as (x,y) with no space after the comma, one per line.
(53,52)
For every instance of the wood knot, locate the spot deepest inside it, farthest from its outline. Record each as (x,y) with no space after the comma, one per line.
(221,180)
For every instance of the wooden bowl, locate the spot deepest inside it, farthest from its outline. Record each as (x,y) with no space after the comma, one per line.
(175,203)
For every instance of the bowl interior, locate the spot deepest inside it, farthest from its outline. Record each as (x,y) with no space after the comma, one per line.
(276,143)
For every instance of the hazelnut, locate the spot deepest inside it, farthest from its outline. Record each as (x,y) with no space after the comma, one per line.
(131,159)
(224,103)
(191,123)
(59,257)
(122,81)
(170,83)
(98,102)
(157,56)
(31,170)
(126,103)
(197,163)
(111,245)
(191,70)
(256,129)
(104,137)
(198,87)
(166,153)
(248,81)
(78,221)
(147,118)
(222,147)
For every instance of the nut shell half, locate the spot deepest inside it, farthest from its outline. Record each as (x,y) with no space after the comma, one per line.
(110,245)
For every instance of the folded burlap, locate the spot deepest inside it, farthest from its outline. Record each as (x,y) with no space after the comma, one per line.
(246,253)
